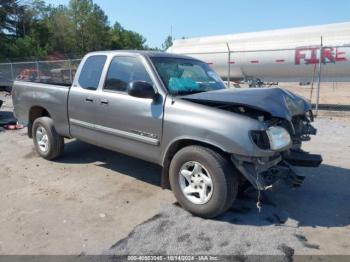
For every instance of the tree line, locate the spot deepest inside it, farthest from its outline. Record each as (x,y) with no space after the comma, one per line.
(31,28)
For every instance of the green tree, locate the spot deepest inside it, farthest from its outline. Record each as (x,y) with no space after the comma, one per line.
(8,10)
(98,30)
(26,47)
(30,15)
(116,36)
(33,28)
(27,34)
(90,24)
(167,43)
(126,39)
(61,31)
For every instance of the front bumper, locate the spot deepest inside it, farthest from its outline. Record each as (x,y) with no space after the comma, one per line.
(263,172)
(301,158)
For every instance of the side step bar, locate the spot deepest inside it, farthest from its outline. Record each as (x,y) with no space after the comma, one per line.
(301,158)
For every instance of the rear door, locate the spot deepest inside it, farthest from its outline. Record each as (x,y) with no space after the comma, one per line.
(129,124)
(83,99)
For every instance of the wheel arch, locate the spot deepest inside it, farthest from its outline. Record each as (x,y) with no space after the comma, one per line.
(34,113)
(177,145)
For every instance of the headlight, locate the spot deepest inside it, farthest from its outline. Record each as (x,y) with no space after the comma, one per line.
(278,137)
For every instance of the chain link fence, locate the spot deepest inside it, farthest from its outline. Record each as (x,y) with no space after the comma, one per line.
(333,96)
(53,71)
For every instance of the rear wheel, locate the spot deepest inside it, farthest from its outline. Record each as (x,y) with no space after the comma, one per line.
(48,143)
(203,181)
(8,89)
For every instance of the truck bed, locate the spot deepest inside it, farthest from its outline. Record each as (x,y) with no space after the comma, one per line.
(33,96)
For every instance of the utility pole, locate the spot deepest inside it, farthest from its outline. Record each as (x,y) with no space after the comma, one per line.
(319,76)
(229,66)
(312,83)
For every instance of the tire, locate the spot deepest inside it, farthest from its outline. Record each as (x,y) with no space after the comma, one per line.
(8,89)
(217,198)
(42,127)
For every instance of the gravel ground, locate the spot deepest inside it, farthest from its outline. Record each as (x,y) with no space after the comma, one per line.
(176,232)
(313,219)
(96,201)
(79,204)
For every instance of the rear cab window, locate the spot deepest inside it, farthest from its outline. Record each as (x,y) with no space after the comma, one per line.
(90,74)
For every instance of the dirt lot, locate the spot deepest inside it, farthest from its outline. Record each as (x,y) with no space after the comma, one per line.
(95,201)
(330,93)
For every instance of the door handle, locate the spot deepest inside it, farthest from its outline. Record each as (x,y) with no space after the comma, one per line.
(104,101)
(89,99)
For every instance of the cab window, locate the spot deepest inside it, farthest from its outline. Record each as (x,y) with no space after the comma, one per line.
(122,71)
(91,72)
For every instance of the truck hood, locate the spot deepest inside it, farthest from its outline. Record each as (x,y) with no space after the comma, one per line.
(276,101)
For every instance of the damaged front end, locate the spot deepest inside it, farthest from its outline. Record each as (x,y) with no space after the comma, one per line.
(287,118)
(263,172)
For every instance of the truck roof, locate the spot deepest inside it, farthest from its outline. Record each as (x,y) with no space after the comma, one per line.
(142,52)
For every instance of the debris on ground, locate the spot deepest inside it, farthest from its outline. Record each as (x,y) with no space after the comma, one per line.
(6,118)
(13,126)
(8,121)
(175,231)
(288,251)
(305,242)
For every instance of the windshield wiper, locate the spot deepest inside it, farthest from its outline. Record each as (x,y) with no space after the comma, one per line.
(188,92)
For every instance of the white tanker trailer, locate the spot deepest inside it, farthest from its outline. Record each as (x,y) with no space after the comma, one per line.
(287,55)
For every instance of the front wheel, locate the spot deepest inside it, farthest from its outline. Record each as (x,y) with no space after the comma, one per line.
(48,143)
(203,181)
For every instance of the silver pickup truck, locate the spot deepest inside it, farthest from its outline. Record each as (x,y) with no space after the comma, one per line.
(176,112)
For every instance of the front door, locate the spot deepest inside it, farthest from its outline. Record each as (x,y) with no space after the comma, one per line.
(128,124)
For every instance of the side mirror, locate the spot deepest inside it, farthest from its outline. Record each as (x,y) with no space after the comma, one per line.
(142,89)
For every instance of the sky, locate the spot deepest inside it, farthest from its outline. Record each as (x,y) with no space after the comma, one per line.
(154,19)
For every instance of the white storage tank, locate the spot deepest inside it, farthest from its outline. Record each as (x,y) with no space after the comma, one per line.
(287,55)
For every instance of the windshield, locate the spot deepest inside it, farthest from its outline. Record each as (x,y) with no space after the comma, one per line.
(186,76)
